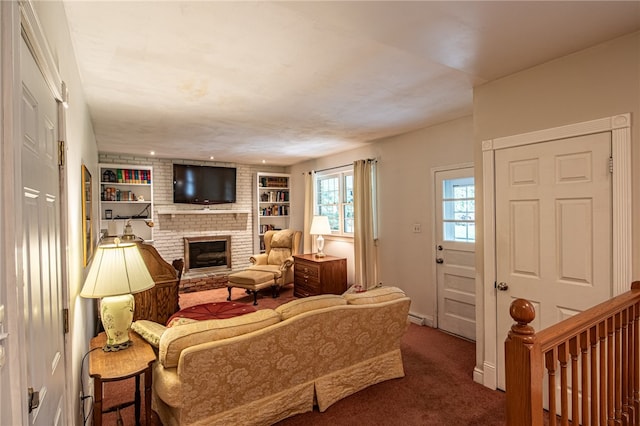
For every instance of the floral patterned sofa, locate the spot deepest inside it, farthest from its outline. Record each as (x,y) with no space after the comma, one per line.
(262,367)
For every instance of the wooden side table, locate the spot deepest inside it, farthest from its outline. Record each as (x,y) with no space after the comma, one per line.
(318,275)
(114,366)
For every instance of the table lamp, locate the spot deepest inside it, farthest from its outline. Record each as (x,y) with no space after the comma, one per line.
(320,226)
(116,273)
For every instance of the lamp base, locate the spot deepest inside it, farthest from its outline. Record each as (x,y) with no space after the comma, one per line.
(117,347)
(116,313)
(320,254)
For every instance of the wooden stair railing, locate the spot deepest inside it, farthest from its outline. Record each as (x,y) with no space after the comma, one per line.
(596,351)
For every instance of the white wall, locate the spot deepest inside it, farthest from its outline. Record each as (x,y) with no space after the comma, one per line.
(405,191)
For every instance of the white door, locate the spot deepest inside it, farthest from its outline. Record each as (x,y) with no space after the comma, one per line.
(455,251)
(41,271)
(553,230)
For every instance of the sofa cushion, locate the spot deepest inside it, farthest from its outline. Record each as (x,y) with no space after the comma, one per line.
(375,295)
(149,331)
(175,339)
(299,306)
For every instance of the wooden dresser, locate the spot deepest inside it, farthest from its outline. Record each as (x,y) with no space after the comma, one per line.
(160,302)
(319,275)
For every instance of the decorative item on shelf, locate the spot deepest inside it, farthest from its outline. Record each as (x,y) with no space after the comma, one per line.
(108,176)
(108,214)
(116,273)
(320,226)
(128,234)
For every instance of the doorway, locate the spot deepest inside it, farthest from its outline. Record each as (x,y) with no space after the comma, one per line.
(455,251)
(575,154)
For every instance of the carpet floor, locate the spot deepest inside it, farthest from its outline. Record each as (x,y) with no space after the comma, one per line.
(438,388)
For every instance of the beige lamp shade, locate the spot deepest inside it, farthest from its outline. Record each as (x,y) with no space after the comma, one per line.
(117,269)
(320,226)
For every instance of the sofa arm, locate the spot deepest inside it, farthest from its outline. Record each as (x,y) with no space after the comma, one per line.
(259,259)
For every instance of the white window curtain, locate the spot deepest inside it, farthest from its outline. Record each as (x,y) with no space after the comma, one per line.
(365,229)
(309,179)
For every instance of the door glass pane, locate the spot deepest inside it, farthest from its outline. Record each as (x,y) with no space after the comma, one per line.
(459,210)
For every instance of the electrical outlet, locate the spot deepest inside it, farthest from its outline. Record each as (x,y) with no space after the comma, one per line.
(417,227)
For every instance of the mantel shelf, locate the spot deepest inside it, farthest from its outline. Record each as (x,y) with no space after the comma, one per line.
(174,212)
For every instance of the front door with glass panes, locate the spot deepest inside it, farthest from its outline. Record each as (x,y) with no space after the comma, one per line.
(455,251)
(334,198)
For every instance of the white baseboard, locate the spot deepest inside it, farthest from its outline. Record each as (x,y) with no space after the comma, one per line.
(421,320)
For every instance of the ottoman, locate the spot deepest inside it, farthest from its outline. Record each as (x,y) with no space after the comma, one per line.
(253,281)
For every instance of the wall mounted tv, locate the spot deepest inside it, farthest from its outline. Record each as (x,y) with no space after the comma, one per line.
(203,184)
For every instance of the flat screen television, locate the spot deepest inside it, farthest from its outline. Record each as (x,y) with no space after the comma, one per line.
(203,184)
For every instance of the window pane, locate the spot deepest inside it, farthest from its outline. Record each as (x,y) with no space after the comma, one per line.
(458,210)
(348,218)
(348,189)
(332,213)
(459,231)
(328,190)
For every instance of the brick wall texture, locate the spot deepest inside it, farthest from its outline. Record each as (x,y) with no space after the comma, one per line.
(169,231)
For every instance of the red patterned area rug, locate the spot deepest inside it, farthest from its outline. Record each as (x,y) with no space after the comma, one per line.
(214,310)
(238,295)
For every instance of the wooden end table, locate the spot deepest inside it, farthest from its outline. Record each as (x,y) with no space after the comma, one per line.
(318,275)
(134,361)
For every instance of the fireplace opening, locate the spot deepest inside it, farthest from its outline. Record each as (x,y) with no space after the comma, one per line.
(211,253)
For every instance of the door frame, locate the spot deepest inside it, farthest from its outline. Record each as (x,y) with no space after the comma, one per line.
(489,343)
(434,237)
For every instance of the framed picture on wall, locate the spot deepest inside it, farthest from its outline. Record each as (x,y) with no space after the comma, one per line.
(87,211)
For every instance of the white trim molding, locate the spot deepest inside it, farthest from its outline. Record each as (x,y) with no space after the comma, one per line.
(620,128)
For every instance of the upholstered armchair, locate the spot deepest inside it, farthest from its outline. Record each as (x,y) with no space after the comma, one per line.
(280,246)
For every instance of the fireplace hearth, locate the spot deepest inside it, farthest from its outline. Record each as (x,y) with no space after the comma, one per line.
(207,253)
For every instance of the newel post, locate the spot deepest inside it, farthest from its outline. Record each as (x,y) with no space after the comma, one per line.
(523,368)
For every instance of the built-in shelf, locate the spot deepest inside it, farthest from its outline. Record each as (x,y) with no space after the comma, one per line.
(174,212)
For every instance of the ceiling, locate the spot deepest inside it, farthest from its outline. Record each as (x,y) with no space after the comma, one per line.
(284,82)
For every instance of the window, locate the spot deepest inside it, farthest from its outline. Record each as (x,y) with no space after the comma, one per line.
(458,207)
(334,198)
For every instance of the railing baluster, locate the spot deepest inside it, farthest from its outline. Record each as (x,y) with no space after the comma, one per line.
(551,362)
(636,361)
(617,368)
(610,372)
(575,392)
(625,370)
(602,331)
(593,335)
(584,363)
(564,387)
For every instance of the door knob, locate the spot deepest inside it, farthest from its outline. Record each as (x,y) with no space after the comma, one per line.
(439,260)
(502,286)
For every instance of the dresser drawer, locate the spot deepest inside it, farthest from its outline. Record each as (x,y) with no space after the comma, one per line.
(302,289)
(307,269)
